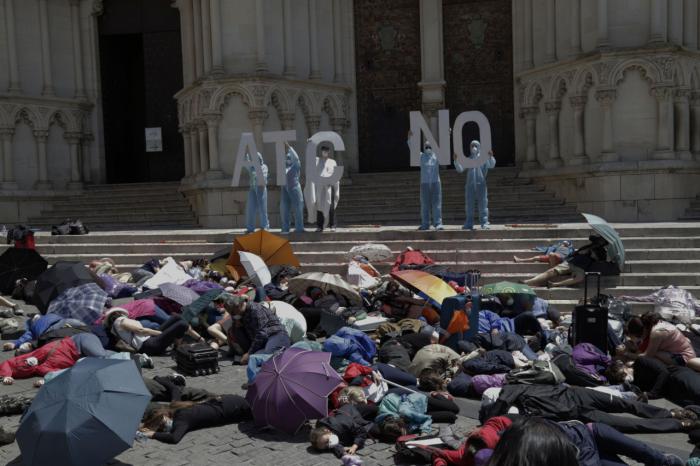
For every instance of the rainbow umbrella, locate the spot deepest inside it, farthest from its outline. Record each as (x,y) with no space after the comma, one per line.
(428,286)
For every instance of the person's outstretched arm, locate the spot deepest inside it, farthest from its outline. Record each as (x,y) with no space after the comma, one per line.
(180,428)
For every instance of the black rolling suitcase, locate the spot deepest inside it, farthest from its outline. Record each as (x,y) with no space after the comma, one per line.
(590,320)
(197,359)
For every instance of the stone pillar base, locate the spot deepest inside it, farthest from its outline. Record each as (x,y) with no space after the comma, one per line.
(9,185)
(685,155)
(75,185)
(556,163)
(531,165)
(213,175)
(43,185)
(663,155)
(609,157)
(580,160)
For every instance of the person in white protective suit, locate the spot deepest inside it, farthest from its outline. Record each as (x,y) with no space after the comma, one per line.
(322,197)
(475,189)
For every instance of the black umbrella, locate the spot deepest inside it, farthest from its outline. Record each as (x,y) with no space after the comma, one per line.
(57,279)
(18,263)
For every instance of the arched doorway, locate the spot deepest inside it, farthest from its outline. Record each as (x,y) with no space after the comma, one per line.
(141,70)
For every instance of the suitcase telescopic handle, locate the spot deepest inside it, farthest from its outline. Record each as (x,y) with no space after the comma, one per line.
(585,284)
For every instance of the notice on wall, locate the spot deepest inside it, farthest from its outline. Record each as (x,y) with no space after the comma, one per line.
(154,140)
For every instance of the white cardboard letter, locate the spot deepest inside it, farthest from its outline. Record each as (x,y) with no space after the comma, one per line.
(338,145)
(418,125)
(247,146)
(484,138)
(279,138)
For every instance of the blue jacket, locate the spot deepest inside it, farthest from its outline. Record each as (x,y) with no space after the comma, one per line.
(489,320)
(411,408)
(36,328)
(292,169)
(351,344)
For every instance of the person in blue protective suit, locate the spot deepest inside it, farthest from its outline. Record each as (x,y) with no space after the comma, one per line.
(291,196)
(257,197)
(475,189)
(430,188)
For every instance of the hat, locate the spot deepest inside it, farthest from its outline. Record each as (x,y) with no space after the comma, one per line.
(113,311)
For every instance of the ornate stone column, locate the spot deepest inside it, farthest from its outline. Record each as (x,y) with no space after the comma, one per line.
(432,82)
(203,140)
(337,42)
(257,119)
(213,121)
(41,137)
(530,114)
(664,122)
(206,36)
(314,70)
(77,50)
(690,24)
(15,86)
(194,150)
(287,120)
(575,27)
(289,68)
(312,123)
(187,146)
(527,36)
(602,40)
(695,123)
(552,109)
(339,125)
(44,30)
(550,51)
(606,98)
(578,104)
(189,69)
(682,120)
(217,55)
(261,51)
(197,31)
(659,22)
(8,159)
(85,153)
(73,140)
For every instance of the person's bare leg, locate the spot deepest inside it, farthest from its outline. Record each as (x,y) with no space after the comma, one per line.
(568,282)
(693,364)
(553,259)
(541,279)
(216,331)
(520,260)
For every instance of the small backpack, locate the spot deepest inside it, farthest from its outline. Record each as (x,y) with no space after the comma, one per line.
(536,373)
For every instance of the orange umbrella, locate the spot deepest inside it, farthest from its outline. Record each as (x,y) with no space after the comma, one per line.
(273,249)
(428,286)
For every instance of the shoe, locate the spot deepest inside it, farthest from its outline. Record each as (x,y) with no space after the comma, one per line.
(683,414)
(319,230)
(145,361)
(245,386)
(439,228)
(178,379)
(466,227)
(485,227)
(689,426)
(672,460)
(422,228)
(333,229)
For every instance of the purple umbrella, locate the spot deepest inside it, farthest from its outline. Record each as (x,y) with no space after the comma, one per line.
(180,294)
(291,388)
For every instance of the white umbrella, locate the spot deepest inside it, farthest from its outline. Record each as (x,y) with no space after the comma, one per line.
(372,251)
(255,267)
(327,282)
(292,320)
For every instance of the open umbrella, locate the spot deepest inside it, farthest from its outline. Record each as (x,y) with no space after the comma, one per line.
(372,251)
(327,282)
(16,263)
(292,320)
(429,287)
(84,302)
(507,288)
(291,388)
(255,268)
(57,279)
(615,249)
(86,415)
(273,249)
(178,293)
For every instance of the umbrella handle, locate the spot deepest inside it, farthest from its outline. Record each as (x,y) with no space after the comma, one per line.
(405,388)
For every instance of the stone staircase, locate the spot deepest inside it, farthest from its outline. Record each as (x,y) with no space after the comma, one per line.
(133,206)
(657,254)
(394,199)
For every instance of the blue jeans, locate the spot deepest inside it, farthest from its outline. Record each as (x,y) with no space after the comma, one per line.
(430,202)
(89,346)
(476,193)
(275,342)
(257,204)
(255,362)
(612,443)
(156,320)
(292,201)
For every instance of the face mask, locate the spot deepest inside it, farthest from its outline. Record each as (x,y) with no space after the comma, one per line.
(428,150)
(325,154)
(474,150)
(509,301)
(333,441)
(31,362)
(168,426)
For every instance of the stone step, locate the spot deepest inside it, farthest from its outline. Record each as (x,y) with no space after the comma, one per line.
(348,206)
(496,215)
(111,200)
(121,209)
(143,225)
(163,186)
(361,192)
(125,216)
(456,196)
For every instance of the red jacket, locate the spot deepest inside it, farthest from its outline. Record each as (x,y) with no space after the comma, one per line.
(411,259)
(53,356)
(489,434)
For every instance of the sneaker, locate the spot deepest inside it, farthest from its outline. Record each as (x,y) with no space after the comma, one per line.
(684,414)
(485,227)
(467,227)
(178,379)
(145,361)
(319,230)
(672,460)
(422,228)
(439,228)
(333,229)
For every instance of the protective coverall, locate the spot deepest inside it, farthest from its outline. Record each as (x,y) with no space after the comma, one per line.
(475,189)
(257,197)
(430,190)
(291,197)
(321,198)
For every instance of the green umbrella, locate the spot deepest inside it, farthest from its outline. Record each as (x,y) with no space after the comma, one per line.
(507,288)
(615,249)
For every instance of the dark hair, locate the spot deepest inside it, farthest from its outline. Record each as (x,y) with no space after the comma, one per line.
(616,372)
(392,428)
(650,319)
(154,420)
(534,442)
(635,327)
(430,380)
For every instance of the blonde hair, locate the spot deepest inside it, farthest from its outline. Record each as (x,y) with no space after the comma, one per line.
(352,395)
(316,435)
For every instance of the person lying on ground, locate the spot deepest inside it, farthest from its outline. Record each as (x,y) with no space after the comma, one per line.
(257,328)
(37,326)
(170,424)
(552,255)
(678,384)
(51,357)
(345,431)
(563,403)
(663,341)
(143,339)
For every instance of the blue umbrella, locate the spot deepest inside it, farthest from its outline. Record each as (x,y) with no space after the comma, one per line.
(85,302)
(616,250)
(85,416)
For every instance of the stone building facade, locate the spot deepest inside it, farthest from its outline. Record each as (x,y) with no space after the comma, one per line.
(599,100)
